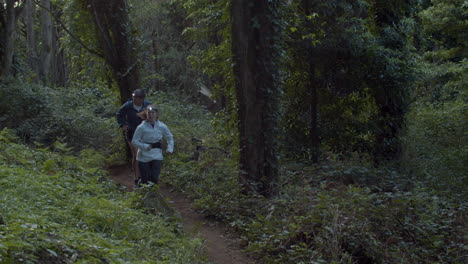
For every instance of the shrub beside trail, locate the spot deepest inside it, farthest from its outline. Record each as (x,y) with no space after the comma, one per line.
(59,208)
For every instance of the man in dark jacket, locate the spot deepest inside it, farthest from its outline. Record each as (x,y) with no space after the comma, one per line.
(128,120)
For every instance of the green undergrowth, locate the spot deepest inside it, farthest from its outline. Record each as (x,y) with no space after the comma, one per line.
(332,216)
(83,117)
(59,208)
(332,212)
(436,146)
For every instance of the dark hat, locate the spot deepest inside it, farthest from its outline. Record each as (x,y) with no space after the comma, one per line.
(139,93)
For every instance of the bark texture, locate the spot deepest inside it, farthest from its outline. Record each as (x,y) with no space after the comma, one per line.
(47,47)
(30,14)
(254,36)
(8,37)
(113,29)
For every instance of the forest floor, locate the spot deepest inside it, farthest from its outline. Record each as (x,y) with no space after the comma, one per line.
(220,246)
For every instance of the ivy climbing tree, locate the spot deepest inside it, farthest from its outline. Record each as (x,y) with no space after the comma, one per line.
(255,30)
(113,30)
(391,71)
(10,10)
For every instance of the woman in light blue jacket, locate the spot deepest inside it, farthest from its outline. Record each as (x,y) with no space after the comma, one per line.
(148,140)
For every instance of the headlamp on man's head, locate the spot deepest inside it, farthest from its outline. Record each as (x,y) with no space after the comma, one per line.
(139,93)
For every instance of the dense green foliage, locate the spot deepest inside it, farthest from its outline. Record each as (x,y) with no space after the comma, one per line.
(333,212)
(76,115)
(58,208)
(163,50)
(437,120)
(84,67)
(441,154)
(382,70)
(330,212)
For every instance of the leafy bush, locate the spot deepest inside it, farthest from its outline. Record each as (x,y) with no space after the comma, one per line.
(336,212)
(38,113)
(58,208)
(436,148)
(330,214)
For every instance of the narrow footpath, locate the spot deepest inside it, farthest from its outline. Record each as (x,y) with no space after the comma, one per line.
(219,246)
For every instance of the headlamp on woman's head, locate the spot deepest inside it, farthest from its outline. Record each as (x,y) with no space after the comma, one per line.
(152,108)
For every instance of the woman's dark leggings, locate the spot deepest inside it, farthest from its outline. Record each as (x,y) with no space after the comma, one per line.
(150,171)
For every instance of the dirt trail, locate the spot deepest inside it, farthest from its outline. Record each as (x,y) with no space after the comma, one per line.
(219,247)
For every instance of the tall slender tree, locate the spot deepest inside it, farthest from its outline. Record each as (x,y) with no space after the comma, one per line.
(9,12)
(391,71)
(255,31)
(32,60)
(113,29)
(47,48)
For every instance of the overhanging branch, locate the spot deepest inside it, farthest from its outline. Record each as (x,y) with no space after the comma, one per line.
(120,75)
(77,39)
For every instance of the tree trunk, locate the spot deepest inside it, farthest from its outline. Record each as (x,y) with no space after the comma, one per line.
(47,51)
(391,119)
(9,38)
(314,131)
(307,8)
(60,71)
(30,14)
(113,28)
(154,44)
(255,70)
(390,93)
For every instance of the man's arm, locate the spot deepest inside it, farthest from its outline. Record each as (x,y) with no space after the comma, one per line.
(121,116)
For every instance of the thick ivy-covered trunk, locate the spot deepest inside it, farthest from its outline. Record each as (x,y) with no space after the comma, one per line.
(392,72)
(113,28)
(254,40)
(314,113)
(9,15)
(32,60)
(47,56)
